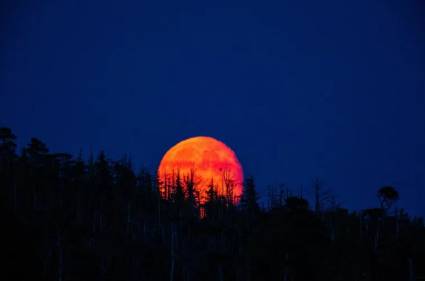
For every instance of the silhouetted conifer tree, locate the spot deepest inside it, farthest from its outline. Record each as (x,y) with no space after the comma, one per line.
(249,198)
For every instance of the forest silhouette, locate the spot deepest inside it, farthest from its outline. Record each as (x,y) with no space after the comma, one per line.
(65,219)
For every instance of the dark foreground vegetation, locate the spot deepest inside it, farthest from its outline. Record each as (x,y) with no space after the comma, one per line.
(67,219)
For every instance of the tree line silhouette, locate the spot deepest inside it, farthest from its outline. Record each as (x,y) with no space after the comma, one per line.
(66,219)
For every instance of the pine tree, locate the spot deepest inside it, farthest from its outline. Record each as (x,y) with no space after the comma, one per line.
(8,191)
(211,202)
(7,143)
(249,197)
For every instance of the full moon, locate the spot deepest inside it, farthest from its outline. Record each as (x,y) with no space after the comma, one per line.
(208,162)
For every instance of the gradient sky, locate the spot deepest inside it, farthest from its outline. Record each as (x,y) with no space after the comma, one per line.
(299,89)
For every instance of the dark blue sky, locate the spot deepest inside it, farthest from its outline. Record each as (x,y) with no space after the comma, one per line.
(299,89)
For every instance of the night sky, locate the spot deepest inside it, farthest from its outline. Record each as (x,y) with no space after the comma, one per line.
(299,89)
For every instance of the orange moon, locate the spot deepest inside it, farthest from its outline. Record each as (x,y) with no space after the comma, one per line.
(209,160)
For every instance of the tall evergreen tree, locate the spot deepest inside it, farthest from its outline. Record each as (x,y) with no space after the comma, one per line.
(249,201)
(7,143)
(7,167)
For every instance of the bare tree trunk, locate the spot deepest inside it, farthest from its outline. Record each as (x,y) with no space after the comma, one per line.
(14,196)
(285,275)
(172,254)
(34,200)
(377,236)
(60,257)
(128,218)
(220,273)
(317,191)
(248,268)
(159,207)
(397,224)
(144,229)
(412,276)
